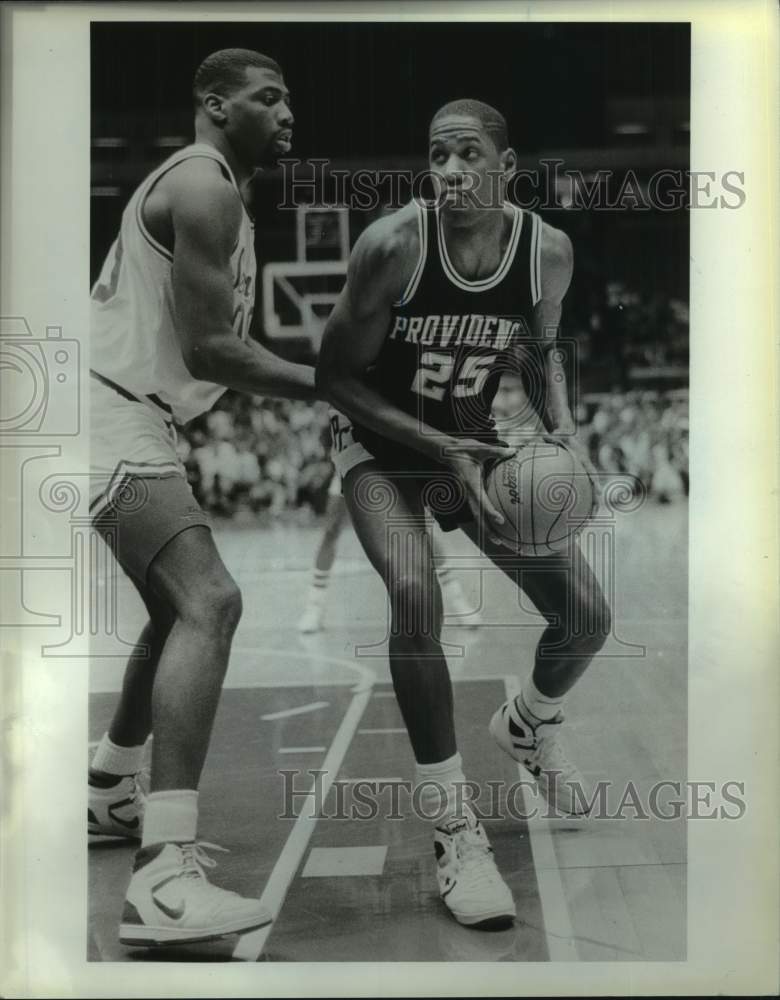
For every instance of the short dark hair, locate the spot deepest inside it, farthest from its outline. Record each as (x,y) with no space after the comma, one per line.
(225,71)
(492,121)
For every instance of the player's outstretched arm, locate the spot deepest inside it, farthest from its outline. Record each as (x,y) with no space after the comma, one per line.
(557,267)
(206,216)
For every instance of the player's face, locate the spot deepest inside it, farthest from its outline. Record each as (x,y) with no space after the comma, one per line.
(259,118)
(466,163)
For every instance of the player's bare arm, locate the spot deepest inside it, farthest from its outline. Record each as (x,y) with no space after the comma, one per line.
(205,215)
(557,267)
(380,267)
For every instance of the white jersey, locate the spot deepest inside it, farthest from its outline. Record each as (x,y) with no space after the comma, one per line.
(134,342)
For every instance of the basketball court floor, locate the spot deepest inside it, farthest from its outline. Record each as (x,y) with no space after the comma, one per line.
(305,712)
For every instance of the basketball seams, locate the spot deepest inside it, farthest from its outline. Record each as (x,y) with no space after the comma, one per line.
(548,540)
(585,519)
(574,530)
(526,514)
(496,496)
(501,506)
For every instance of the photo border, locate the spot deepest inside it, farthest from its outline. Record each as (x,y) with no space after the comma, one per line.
(733,680)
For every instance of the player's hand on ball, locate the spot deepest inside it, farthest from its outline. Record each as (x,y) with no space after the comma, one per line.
(467,460)
(574,444)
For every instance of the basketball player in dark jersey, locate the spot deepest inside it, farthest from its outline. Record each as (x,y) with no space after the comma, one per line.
(439,301)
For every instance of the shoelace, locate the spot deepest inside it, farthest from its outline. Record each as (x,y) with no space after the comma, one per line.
(550,751)
(475,856)
(195,859)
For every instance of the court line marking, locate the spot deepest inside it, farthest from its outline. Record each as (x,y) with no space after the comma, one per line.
(291,684)
(558,931)
(250,946)
(379,732)
(361,861)
(252,684)
(349,568)
(313,706)
(317,683)
(366,675)
(301,750)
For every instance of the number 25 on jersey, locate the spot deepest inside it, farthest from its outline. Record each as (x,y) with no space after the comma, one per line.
(434,376)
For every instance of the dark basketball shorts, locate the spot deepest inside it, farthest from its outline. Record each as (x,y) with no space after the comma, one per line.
(139,495)
(440,489)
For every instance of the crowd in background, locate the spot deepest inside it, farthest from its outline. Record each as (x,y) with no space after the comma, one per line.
(270,457)
(262,455)
(643,434)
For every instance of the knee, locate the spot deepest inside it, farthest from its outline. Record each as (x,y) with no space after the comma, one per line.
(593,625)
(215,605)
(232,605)
(160,624)
(162,617)
(228,604)
(416,605)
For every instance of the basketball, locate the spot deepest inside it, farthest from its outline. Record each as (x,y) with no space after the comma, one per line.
(545,494)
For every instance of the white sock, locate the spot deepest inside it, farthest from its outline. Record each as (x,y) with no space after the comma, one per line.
(541,706)
(442,793)
(319,587)
(118,760)
(170,816)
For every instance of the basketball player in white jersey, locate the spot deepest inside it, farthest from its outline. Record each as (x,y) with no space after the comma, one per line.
(440,301)
(171,313)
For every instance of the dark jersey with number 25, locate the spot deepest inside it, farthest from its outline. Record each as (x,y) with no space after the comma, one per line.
(450,340)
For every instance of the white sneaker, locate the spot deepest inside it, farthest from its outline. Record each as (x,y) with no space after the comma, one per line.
(469,882)
(535,745)
(311,619)
(457,607)
(118,811)
(170,900)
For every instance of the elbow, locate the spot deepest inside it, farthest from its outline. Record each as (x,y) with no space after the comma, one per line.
(325,382)
(198,363)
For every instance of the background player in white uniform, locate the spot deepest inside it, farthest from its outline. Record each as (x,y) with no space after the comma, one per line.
(170,316)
